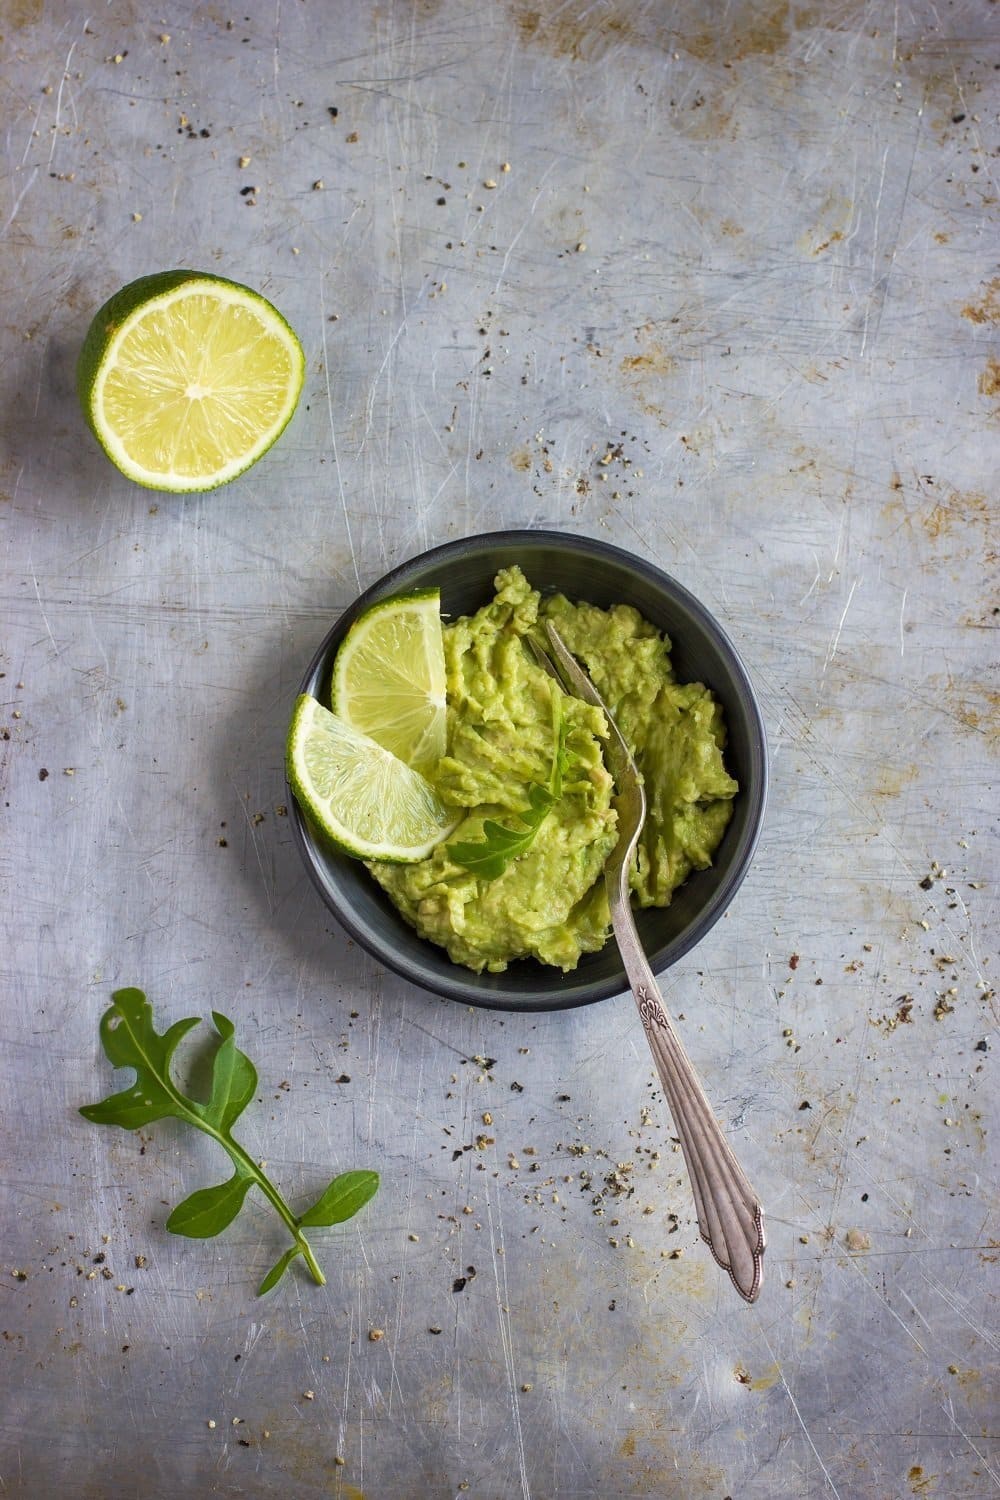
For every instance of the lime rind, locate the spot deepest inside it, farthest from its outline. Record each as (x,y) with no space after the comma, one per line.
(119,317)
(363,799)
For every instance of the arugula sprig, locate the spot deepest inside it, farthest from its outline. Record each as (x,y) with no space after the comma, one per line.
(491,855)
(130,1040)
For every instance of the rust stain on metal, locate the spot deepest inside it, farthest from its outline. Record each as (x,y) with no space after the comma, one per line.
(584,32)
(988,383)
(645,371)
(957,508)
(21,13)
(891,779)
(987,309)
(655,362)
(918,1481)
(746,33)
(983,715)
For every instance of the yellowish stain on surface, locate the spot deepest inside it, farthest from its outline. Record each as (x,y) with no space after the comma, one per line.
(749,32)
(655,362)
(987,309)
(19,13)
(984,716)
(977,1390)
(767,1379)
(832,224)
(957,508)
(584,32)
(665,1469)
(832,239)
(988,383)
(645,371)
(918,1481)
(961,522)
(892,779)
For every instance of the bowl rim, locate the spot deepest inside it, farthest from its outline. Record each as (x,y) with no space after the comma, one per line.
(464,987)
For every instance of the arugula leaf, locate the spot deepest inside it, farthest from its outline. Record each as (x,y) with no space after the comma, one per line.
(491,855)
(234,1077)
(130,1040)
(278,1270)
(343,1198)
(208,1211)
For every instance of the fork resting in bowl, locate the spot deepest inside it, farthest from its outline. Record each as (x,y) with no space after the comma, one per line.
(730,1215)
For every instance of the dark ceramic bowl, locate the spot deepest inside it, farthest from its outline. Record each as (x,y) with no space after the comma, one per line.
(583,569)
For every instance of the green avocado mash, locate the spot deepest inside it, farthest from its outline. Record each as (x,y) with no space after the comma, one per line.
(549,901)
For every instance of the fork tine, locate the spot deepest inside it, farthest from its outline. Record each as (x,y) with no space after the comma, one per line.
(577,680)
(620,759)
(544,660)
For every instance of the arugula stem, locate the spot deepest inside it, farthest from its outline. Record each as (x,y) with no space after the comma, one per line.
(245,1160)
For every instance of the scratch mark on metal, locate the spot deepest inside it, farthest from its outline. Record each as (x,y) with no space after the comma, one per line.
(835,640)
(19,200)
(45,618)
(988,1338)
(333,435)
(812,586)
(530,215)
(59,93)
(798,1415)
(949,1413)
(497,1252)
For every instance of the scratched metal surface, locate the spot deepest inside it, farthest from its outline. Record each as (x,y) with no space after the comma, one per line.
(757,251)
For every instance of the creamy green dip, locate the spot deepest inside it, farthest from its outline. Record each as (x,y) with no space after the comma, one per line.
(550,903)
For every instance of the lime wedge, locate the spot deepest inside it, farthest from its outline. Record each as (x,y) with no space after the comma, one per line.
(389,678)
(361,796)
(186,379)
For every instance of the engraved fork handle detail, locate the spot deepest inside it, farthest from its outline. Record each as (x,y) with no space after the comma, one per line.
(730,1216)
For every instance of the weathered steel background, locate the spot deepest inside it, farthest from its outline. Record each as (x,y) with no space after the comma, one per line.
(753,248)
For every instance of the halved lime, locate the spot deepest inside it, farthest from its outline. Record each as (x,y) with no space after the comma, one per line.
(389,678)
(186,379)
(362,797)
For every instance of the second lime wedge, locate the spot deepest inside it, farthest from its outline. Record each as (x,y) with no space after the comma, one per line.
(363,798)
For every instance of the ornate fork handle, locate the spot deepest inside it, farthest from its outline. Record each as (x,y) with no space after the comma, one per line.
(730,1216)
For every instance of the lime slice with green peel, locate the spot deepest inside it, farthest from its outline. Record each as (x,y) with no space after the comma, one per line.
(389,678)
(186,379)
(362,797)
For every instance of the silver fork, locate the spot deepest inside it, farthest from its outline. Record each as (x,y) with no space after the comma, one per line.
(730,1215)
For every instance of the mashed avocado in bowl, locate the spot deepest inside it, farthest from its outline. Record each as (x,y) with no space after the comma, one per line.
(548,902)
(682,697)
